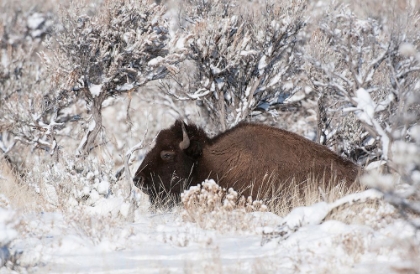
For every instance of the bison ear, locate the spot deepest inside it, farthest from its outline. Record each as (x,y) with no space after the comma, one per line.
(178,124)
(191,142)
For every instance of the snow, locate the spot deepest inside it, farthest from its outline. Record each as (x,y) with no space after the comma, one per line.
(155,61)
(367,108)
(95,90)
(35,20)
(301,216)
(375,165)
(415,133)
(101,206)
(125,209)
(407,49)
(8,220)
(4,59)
(298,96)
(50,194)
(366,104)
(125,87)
(277,79)
(288,86)
(262,64)
(248,52)
(7,233)
(163,242)
(415,176)
(215,70)
(316,213)
(103,188)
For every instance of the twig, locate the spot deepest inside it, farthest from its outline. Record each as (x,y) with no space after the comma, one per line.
(128,155)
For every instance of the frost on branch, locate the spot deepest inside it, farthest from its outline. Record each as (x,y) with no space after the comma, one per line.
(245,64)
(362,73)
(367,71)
(212,207)
(403,193)
(119,49)
(28,114)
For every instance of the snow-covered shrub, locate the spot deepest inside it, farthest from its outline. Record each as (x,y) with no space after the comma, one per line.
(52,99)
(56,84)
(366,72)
(120,48)
(244,63)
(82,186)
(23,82)
(365,75)
(212,207)
(402,191)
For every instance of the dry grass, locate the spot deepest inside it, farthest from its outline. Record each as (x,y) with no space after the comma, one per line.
(329,191)
(19,195)
(212,207)
(281,199)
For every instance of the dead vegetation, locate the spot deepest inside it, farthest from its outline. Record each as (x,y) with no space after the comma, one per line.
(17,193)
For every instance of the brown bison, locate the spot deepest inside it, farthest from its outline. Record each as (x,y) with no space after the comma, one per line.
(256,160)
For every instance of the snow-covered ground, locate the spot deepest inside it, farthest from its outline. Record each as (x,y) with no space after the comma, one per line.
(86,241)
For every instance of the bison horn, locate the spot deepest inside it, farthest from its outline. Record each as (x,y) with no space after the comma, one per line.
(185,140)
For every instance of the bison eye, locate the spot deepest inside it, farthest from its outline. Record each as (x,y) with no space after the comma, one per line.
(167,155)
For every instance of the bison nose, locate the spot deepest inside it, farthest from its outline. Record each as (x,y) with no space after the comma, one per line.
(138,181)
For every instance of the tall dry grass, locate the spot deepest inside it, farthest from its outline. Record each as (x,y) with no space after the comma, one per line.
(280,198)
(18,194)
(226,210)
(314,190)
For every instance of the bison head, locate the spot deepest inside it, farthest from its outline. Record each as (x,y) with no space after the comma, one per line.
(166,170)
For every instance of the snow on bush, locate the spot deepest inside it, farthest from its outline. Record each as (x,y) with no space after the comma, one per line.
(400,189)
(85,187)
(120,48)
(367,79)
(93,53)
(245,63)
(213,207)
(359,67)
(22,79)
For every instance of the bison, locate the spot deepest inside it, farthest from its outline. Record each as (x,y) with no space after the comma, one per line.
(257,160)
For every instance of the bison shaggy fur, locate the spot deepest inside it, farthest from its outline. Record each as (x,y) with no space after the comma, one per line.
(256,160)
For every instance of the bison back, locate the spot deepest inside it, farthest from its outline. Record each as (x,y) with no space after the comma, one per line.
(257,160)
